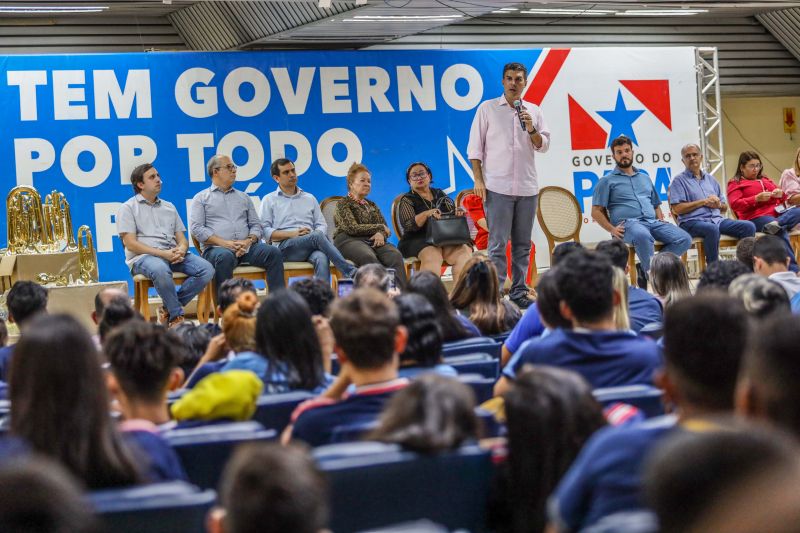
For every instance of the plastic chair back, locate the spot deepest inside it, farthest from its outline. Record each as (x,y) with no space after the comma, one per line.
(472,345)
(204,450)
(375,485)
(273,411)
(155,508)
(646,398)
(475,363)
(483,387)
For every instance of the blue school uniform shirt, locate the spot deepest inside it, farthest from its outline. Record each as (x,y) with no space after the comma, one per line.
(410,372)
(472,329)
(606,477)
(5,361)
(315,420)
(276,379)
(603,358)
(643,308)
(156,459)
(528,327)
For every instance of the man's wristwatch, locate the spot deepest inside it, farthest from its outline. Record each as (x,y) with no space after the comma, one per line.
(534,132)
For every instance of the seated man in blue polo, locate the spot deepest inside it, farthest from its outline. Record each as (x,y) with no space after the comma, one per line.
(155,246)
(369,337)
(634,208)
(695,196)
(594,348)
(293,220)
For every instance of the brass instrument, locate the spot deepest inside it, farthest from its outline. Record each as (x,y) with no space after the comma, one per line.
(45,279)
(58,222)
(26,222)
(87,257)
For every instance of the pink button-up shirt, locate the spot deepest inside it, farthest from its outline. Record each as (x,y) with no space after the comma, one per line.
(505,150)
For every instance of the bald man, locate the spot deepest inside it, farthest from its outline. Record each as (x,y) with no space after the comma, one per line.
(696,198)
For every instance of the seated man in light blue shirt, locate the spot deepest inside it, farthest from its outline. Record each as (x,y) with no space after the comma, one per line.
(696,198)
(225,222)
(155,246)
(292,218)
(634,208)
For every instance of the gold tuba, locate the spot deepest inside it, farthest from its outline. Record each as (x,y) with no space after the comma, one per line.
(87,257)
(26,226)
(58,222)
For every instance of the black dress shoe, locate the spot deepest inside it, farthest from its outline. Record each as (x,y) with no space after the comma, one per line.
(523,302)
(641,277)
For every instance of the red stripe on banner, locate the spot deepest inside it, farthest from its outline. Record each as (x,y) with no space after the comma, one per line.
(546,75)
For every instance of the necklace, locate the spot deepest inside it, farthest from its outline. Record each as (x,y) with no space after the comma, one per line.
(426,202)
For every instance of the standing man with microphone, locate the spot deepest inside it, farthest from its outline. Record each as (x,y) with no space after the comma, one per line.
(504,137)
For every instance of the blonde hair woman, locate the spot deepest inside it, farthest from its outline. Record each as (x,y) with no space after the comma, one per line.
(621,317)
(361,229)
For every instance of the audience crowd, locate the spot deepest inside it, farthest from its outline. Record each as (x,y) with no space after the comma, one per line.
(95,410)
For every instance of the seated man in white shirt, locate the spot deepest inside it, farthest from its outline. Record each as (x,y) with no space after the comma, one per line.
(770,260)
(293,219)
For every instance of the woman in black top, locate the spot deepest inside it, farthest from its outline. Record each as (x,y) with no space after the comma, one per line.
(416,207)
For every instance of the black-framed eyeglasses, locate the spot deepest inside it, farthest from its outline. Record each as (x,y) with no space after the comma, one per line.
(231,167)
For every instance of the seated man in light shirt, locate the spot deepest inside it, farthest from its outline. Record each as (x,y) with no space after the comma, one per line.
(155,245)
(225,222)
(292,218)
(696,197)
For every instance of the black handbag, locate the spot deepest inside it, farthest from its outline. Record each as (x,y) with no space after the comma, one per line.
(447,230)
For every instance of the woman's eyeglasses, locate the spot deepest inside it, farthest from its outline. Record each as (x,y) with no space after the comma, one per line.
(755,166)
(419,176)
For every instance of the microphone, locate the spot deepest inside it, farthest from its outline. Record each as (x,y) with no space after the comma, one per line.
(518,107)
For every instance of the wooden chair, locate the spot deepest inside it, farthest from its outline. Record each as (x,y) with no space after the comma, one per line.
(328,207)
(532,273)
(253,273)
(410,262)
(142,284)
(725,241)
(559,215)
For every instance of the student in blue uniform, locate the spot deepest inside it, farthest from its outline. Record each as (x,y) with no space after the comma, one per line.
(267,488)
(25,300)
(366,325)
(594,348)
(423,353)
(767,384)
(643,307)
(60,409)
(287,353)
(530,325)
(144,361)
(704,342)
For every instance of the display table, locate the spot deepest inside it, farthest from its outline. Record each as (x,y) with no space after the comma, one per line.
(26,267)
(78,300)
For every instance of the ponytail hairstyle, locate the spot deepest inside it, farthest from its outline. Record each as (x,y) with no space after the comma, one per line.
(239,323)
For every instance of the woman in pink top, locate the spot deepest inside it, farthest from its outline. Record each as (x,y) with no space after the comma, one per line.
(790,181)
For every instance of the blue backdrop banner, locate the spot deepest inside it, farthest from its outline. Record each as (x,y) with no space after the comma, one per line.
(80,123)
